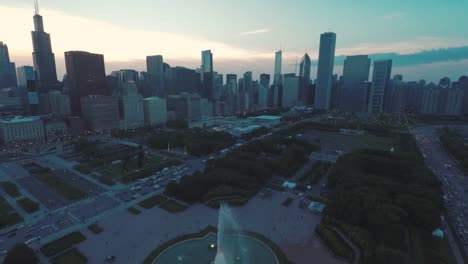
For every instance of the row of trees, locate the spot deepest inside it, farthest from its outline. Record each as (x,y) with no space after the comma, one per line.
(381,192)
(455,144)
(199,142)
(241,172)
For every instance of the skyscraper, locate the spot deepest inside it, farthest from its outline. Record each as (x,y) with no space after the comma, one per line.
(354,92)
(28,88)
(131,107)
(325,70)
(207,74)
(44,59)
(380,82)
(304,73)
(263,90)
(7,68)
(86,76)
(231,83)
(291,87)
(155,70)
(277,75)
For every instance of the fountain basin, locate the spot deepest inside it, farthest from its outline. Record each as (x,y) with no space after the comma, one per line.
(198,250)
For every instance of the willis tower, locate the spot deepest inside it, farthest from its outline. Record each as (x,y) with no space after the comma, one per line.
(44,59)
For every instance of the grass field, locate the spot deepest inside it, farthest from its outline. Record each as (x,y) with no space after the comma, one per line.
(10,188)
(352,142)
(8,215)
(152,201)
(173,206)
(61,244)
(95,228)
(72,256)
(68,191)
(134,211)
(28,205)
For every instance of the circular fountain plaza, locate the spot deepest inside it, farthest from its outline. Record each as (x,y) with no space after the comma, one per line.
(229,246)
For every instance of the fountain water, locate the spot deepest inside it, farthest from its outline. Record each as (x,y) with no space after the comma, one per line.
(230,248)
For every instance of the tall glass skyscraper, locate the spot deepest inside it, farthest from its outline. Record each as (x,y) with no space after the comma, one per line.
(380,82)
(304,73)
(325,70)
(7,68)
(44,59)
(207,74)
(354,92)
(278,60)
(155,71)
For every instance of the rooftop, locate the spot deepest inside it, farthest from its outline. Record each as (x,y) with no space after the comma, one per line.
(20,119)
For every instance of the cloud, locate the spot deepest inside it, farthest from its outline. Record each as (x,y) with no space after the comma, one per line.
(394,15)
(256,32)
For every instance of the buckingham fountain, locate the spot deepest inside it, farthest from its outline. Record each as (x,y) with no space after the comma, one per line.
(230,245)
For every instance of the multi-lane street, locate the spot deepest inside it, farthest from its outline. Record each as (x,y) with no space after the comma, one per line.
(454,184)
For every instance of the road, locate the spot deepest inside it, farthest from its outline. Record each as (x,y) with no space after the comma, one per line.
(454,185)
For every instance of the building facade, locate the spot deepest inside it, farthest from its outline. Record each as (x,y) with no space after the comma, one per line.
(380,82)
(86,76)
(7,68)
(155,72)
(21,129)
(155,111)
(100,113)
(325,70)
(354,92)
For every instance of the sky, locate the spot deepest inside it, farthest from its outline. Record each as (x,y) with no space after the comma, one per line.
(425,38)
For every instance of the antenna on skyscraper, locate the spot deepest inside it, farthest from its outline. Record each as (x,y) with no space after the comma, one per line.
(36,7)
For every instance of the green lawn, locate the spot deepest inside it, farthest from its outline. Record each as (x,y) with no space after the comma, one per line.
(61,244)
(72,256)
(95,228)
(28,205)
(134,211)
(356,141)
(152,201)
(65,189)
(8,215)
(173,206)
(10,188)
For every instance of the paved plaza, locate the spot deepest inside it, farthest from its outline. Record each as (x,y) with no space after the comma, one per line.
(130,238)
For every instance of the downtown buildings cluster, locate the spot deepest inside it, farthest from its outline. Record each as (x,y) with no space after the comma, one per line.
(36,106)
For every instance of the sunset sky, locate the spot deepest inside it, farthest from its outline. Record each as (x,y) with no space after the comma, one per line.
(243,35)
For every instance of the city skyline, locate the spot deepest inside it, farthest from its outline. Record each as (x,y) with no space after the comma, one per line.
(232,57)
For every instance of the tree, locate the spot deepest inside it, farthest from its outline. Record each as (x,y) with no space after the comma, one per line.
(21,253)
(172,188)
(141,157)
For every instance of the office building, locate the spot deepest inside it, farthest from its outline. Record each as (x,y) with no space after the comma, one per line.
(398,101)
(218,86)
(7,68)
(59,104)
(86,76)
(325,70)
(54,129)
(355,76)
(131,107)
(430,100)
(380,82)
(207,74)
(263,90)
(21,129)
(155,71)
(454,103)
(123,77)
(231,82)
(43,57)
(277,73)
(304,73)
(27,87)
(291,87)
(155,111)
(100,113)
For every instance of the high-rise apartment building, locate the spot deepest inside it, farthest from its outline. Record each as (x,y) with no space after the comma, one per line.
(380,82)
